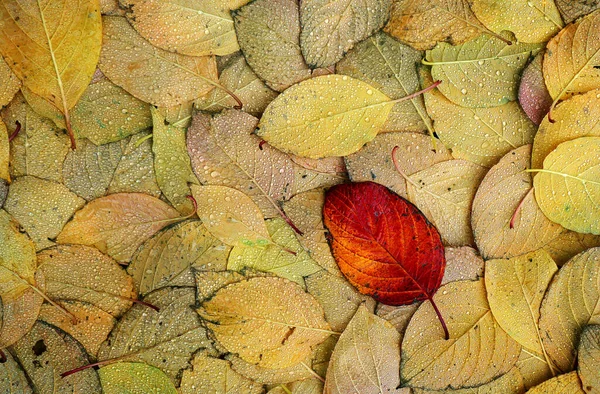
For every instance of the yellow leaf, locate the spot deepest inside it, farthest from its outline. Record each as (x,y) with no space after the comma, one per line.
(53,47)
(477,343)
(134,378)
(153,75)
(588,359)
(18,315)
(573,9)
(563,384)
(570,59)
(462,263)
(231,216)
(204,27)
(331,27)
(331,115)
(366,357)
(530,20)
(533,369)
(9,83)
(568,187)
(4,153)
(242,318)
(423,23)
(14,375)
(118,224)
(569,305)
(509,383)
(515,290)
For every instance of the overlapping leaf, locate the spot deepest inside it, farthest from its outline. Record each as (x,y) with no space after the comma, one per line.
(588,358)
(134,378)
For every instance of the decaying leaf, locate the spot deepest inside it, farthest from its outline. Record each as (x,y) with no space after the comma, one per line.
(588,359)
(389,66)
(565,309)
(568,186)
(531,21)
(533,94)
(18,314)
(269,35)
(356,363)
(573,9)
(134,378)
(12,377)
(11,84)
(477,342)
(483,72)
(151,74)
(242,319)
(118,224)
(331,27)
(562,384)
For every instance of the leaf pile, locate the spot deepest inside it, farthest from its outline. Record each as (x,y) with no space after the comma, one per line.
(299,197)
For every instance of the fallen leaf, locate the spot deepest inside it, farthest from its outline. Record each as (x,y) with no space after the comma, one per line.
(268,32)
(398,316)
(533,369)
(570,57)
(462,263)
(515,288)
(390,66)
(213,375)
(271,376)
(46,352)
(530,21)
(18,314)
(356,364)
(42,215)
(509,383)
(422,24)
(4,153)
(565,308)
(165,339)
(118,224)
(566,187)
(169,257)
(330,115)
(588,359)
(477,342)
(381,243)
(203,27)
(39,42)
(151,74)
(134,378)
(276,257)
(563,384)
(10,83)
(268,337)
(483,72)
(13,377)
(573,9)
(331,27)
(533,94)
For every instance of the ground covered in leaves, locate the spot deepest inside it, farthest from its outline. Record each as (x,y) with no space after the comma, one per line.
(283,196)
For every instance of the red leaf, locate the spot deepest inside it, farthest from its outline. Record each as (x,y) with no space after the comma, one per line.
(383,244)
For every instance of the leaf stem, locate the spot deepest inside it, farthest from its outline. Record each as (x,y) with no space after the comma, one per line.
(395,161)
(312,371)
(97,364)
(440,317)
(514,216)
(136,301)
(73,318)
(416,94)
(16,132)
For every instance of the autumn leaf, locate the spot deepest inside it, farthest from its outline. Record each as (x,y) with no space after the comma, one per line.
(136,378)
(588,357)
(533,94)
(563,384)
(13,376)
(573,9)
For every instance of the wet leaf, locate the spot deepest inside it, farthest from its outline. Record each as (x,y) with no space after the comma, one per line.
(515,290)
(533,94)
(530,21)
(276,258)
(390,66)
(46,352)
(118,224)
(240,318)
(533,369)
(42,215)
(480,135)
(213,375)
(151,74)
(81,273)
(355,366)
(566,187)
(169,257)
(476,342)
(325,116)
(172,163)
(10,83)
(269,35)
(374,161)
(18,314)
(203,27)
(398,316)
(509,383)
(588,358)
(483,72)
(240,79)
(40,41)
(570,58)
(165,339)
(462,263)
(134,378)
(444,193)
(331,27)
(4,153)
(565,309)
(563,384)
(12,377)
(270,376)
(421,24)
(573,9)
(375,235)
